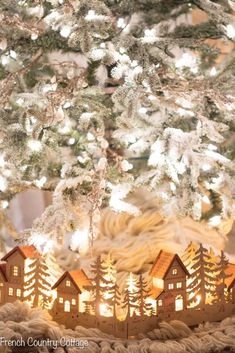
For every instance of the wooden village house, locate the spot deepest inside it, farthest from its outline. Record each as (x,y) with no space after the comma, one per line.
(13,272)
(169,276)
(70,289)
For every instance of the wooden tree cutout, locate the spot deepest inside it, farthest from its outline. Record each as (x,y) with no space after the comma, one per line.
(142,295)
(100,285)
(130,299)
(222,266)
(203,280)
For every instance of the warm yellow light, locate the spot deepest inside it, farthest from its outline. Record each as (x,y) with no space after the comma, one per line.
(198,297)
(105,310)
(131,283)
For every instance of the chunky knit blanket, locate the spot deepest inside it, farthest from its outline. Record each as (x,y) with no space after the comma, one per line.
(23,329)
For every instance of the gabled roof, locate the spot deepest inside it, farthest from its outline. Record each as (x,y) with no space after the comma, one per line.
(163,263)
(3,270)
(77,277)
(156,292)
(232,284)
(27,251)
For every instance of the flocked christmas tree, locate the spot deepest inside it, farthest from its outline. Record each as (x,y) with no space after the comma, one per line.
(202,284)
(101,97)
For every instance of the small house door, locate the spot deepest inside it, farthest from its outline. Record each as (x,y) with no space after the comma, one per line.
(179,303)
(67,306)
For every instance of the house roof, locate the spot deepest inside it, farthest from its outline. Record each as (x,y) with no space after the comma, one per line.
(232,284)
(3,270)
(163,263)
(78,278)
(27,251)
(230,270)
(156,292)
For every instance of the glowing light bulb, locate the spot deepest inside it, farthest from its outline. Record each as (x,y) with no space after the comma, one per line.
(215,221)
(2,161)
(3,184)
(34,145)
(71,141)
(206,167)
(5,204)
(206,199)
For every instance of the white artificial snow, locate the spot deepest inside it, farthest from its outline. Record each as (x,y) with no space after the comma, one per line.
(3,184)
(118,193)
(121,23)
(125,165)
(189,61)
(213,71)
(34,36)
(65,31)
(71,141)
(149,36)
(40,182)
(93,16)
(230,31)
(5,204)
(97,54)
(34,145)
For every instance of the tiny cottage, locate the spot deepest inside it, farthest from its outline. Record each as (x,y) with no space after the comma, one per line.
(13,272)
(69,288)
(169,282)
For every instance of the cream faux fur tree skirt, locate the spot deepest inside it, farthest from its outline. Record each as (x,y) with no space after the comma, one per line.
(18,322)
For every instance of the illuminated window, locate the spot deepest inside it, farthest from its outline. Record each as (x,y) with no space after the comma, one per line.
(179,285)
(15,271)
(174,271)
(67,306)
(10,291)
(171,286)
(61,300)
(1,284)
(73,302)
(159,302)
(18,292)
(179,303)
(67,283)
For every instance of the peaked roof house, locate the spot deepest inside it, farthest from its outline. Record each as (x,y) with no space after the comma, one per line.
(13,271)
(169,282)
(70,287)
(26,251)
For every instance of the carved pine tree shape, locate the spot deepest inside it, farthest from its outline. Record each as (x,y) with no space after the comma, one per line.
(112,295)
(189,255)
(38,287)
(130,298)
(202,278)
(142,295)
(221,276)
(100,285)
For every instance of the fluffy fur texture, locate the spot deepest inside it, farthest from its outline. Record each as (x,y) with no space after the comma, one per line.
(18,321)
(134,242)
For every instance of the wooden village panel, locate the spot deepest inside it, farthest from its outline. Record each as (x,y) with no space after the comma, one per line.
(76,299)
